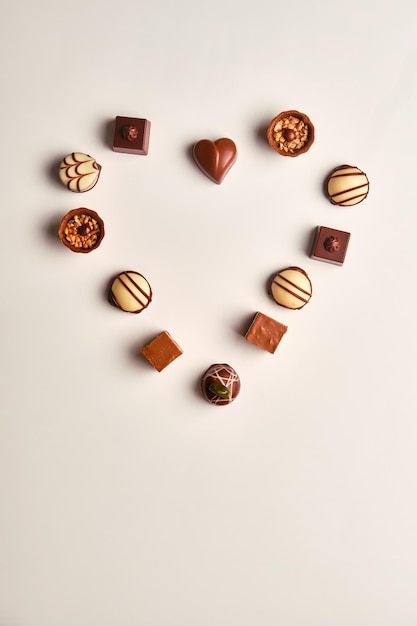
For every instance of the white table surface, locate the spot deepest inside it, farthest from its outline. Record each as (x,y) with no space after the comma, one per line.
(126,498)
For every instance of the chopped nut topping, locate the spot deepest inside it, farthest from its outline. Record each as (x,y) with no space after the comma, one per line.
(82,231)
(291,134)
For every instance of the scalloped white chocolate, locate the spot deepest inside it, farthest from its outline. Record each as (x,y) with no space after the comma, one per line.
(79,172)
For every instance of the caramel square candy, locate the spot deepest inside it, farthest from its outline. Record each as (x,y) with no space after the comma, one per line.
(330,245)
(131,135)
(265,332)
(161,351)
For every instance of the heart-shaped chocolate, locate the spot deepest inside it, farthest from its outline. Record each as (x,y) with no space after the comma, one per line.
(215,158)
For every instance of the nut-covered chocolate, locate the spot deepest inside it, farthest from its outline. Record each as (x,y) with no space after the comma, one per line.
(220,384)
(215,158)
(291,133)
(130,292)
(79,172)
(347,185)
(291,288)
(81,230)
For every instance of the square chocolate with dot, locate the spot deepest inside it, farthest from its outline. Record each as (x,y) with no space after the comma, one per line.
(330,245)
(131,135)
(161,351)
(265,332)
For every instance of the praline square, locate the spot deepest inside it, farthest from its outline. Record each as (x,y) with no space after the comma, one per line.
(131,135)
(322,250)
(265,332)
(161,351)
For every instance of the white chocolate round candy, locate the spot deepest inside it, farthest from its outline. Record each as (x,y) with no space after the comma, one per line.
(79,172)
(130,292)
(347,185)
(291,288)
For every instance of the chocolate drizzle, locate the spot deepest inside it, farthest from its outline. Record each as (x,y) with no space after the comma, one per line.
(133,287)
(299,290)
(79,172)
(343,195)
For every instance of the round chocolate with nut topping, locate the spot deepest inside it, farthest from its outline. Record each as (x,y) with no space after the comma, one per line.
(81,230)
(291,133)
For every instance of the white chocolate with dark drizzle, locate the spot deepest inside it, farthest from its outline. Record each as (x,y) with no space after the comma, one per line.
(291,288)
(79,172)
(347,185)
(131,292)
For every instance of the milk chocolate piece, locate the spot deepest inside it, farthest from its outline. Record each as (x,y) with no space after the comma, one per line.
(130,292)
(81,230)
(131,135)
(215,158)
(220,384)
(347,185)
(265,332)
(161,351)
(290,133)
(291,288)
(330,245)
(79,172)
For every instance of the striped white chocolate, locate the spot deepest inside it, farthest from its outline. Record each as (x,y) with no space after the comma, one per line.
(79,172)
(131,292)
(291,288)
(347,186)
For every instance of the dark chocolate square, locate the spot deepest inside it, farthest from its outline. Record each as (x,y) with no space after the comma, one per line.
(131,135)
(265,332)
(330,245)
(161,351)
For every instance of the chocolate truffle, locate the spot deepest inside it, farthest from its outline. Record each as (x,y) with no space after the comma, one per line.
(290,133)
(220,384)
(81,230)
(291,288)
(131,135)
(265,332)
(79,172)
(347,185)
(330,245)
(161,351)
(130,292)
(215,158)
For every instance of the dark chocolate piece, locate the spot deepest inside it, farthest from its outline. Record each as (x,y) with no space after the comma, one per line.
(161,351)
(131,135)
(215,158)
(220,384)
(330,245)
(265,332)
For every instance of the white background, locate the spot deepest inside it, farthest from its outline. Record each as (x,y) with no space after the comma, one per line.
(126,498)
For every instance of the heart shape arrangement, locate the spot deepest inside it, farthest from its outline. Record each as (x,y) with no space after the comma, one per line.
(290,134)
(215,158)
